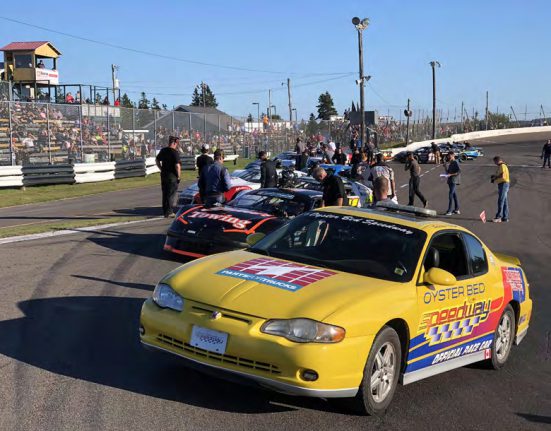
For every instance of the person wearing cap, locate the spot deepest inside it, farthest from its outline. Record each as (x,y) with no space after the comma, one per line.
(502,179)
(168,162)
(214,181)
(204,159)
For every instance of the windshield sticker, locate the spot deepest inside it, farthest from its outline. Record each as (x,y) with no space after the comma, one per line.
(275,194)
(360,220)
(277,273)
(513,280)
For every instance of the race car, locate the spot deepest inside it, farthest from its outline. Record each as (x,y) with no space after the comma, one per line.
(242,180)
(197,230)
(358,194)
(344,303)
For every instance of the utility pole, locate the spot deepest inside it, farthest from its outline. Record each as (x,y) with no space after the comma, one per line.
(433,65)
(525,112)
(486,109)
(515,115)
(114,69)
(361,25)
(407,114)
(204,112)
(290,103)
(270,105)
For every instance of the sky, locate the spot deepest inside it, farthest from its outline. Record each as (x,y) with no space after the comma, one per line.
(499,46)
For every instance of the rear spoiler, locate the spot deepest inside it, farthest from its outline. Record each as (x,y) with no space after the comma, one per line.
(508,259)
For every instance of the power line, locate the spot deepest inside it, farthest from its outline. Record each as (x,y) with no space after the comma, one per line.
(154,54)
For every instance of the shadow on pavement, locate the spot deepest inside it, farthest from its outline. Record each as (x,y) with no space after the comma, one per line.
(140,286)
(140,211)
(96,339)
(535,418)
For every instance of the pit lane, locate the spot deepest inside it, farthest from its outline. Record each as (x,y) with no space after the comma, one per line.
(70,356)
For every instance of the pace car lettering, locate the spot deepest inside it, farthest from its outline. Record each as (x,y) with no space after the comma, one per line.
(234,221)
(277,273)
(454,322)
(514,281)
(460,351)
(453,292)
(361,220)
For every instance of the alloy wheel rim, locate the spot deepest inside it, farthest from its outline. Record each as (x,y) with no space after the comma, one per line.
(503,339)
(382,372)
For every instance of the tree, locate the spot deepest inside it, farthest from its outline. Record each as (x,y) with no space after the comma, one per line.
(143,103)
(250,118)
(203,95)
(326,107)
(312,126)
(165,108)
(155,104)
(126,102)
(276,117)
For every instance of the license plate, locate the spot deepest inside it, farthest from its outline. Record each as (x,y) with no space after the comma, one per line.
(208,339)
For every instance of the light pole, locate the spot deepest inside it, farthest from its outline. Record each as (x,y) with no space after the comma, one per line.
(361,25)
(434,64)
(257,115)
(408,114)
(275,109)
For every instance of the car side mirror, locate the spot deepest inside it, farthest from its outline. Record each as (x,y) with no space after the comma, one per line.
(440,277)
(253,238)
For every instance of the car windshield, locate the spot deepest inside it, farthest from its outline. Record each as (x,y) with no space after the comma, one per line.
(357,245)
(271,202)
(251,175)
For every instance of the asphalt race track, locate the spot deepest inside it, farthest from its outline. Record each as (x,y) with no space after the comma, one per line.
(70,358)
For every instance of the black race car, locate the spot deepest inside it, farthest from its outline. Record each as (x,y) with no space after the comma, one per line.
(420,154)
(197,231)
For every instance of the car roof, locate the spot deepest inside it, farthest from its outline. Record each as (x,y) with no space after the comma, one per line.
(404,219)
(297,192)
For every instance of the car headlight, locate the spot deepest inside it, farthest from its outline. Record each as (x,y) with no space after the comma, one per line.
(165,296)
(304,330)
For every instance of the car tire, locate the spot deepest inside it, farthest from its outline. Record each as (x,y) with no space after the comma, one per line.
(377,389)
(504,336)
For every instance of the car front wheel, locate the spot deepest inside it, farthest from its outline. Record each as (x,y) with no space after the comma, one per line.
(381,374)
(503,338)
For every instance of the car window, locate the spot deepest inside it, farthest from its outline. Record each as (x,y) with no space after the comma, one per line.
(477,256)
(451,255)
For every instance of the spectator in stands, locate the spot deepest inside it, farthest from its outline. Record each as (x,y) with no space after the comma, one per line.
(546,154)
(268,171)
(204,159)
(77,97)
(168,162)
(380,168)
(339,158)
(41,65)
(28,142)
(334,193)
(106,100)
(69,98)
(118,102)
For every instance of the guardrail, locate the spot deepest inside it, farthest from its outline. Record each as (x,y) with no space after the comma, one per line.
(11,176)
(37,175)
(129,168)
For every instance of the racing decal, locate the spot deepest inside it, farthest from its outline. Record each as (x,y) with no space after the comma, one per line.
(513,281)
(453,322)
(454,292)
(277,273)
(360,220)
(226,218)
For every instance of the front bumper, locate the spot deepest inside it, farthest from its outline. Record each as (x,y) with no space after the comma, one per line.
(196,246)
(269,361)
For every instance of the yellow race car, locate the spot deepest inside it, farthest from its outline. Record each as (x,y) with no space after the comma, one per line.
(343,303)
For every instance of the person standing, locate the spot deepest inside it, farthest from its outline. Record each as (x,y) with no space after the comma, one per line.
(268,171)
(300,146)
(370,147)
(168,162)
(339,158)
(501,178)
(334,193)
(546,154)
(214,181)
(204,159)
(302,160)
(380,168)
(453,172)
(436,152)
(414,180)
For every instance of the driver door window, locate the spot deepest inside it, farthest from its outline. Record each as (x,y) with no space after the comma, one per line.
(447,252)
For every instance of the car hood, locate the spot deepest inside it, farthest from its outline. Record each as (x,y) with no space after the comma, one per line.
(267,287)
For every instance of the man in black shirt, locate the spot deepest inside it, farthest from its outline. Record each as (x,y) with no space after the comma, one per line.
(333,188)
(168,162)
(414,180)
(268,171)
(204,159)
(339,158)
(546,154)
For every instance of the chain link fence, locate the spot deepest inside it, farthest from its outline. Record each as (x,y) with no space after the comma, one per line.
(33,133)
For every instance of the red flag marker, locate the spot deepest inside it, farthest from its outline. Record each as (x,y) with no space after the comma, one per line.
(483,216)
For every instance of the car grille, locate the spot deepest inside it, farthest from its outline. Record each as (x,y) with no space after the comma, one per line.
(226,359)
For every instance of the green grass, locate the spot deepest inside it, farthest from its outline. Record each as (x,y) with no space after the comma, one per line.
(36,194)
(61,225)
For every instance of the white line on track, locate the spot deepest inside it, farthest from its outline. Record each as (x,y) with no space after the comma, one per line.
(51,234)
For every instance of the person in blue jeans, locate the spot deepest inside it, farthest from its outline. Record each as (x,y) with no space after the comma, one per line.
(453,172)
(503,180)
